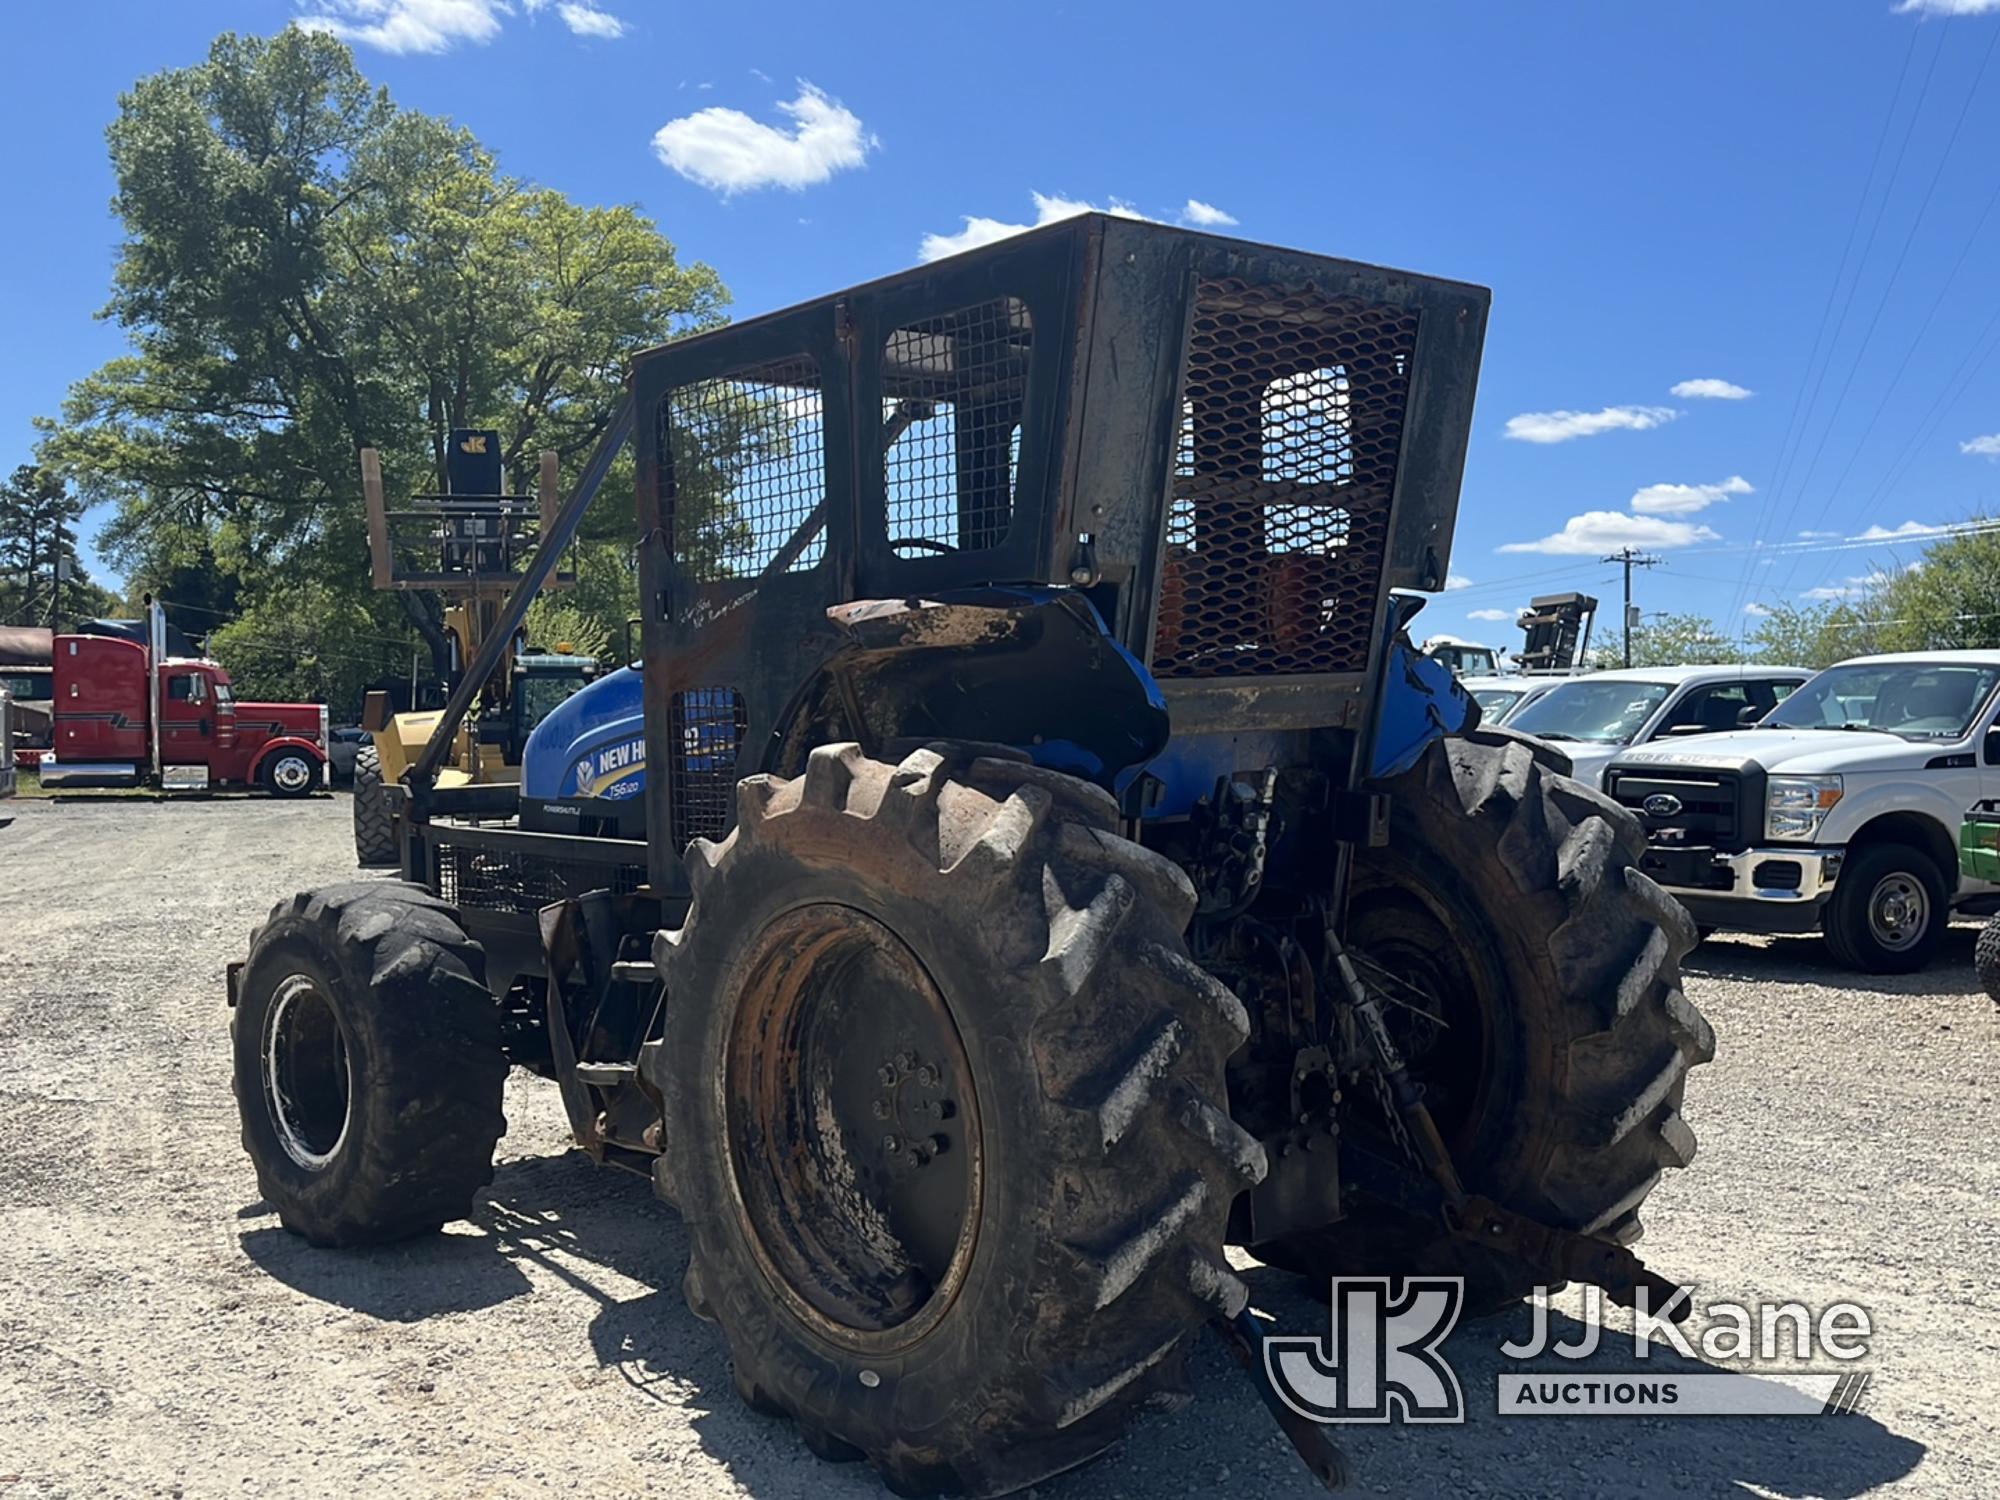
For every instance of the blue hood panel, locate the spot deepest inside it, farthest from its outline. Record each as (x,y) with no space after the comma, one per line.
(593,744)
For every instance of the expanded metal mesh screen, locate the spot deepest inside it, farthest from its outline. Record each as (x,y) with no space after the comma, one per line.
(520,881)
(742,469)
(952,388)
(707,728)
(1291,431)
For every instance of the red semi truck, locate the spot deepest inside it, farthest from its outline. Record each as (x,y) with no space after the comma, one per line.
(127,712)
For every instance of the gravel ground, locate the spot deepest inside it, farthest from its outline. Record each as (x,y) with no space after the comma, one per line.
(161,1335)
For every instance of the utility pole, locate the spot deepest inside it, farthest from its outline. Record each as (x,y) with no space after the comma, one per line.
(1630,557)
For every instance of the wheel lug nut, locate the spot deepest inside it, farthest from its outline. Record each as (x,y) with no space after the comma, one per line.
(906,1061)
(940,1144)
(892,1144)
(885,1074)
(914,1159)
(941,1109)
(883,1109)
(927,1076)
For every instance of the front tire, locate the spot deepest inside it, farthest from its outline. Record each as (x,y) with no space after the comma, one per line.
(1889,911)
(947,1114)
(374,823)
(368,1065)
(1510,897)
(290,773)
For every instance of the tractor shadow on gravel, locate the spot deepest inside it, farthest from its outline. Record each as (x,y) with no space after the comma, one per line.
(604,1234)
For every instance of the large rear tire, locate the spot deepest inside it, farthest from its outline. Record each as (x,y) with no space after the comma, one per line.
(945,1106)
(374,824)
(368,1064)
(1510,901)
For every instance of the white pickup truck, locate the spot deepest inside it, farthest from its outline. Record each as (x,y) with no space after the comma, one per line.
(1840,811)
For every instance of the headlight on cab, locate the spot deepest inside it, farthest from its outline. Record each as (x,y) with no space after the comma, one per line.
(1795,806)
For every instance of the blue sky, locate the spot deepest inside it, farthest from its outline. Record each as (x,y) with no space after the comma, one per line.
(1673,204)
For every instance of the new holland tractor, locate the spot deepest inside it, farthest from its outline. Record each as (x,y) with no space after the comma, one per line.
(1058,867)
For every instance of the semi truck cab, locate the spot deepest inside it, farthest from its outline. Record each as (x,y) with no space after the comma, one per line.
(105,721)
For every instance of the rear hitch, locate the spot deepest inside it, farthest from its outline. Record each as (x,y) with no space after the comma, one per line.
(1313,1443)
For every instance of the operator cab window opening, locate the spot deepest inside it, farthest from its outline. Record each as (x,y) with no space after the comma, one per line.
(953,392)
(743,470)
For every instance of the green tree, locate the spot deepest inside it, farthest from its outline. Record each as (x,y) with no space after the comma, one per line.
(305,642)
(557,623)
(42,580)
(1669,641)
(1813,635)
(1948,601)
(309,269)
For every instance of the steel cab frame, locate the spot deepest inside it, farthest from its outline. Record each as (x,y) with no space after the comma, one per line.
(1131,498)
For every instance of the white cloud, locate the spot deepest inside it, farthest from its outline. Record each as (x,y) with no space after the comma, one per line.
(1708,388)
(1601,531)
(1755,610)
(979,230)
(1456,581)
(1947,7)
(1205,215)
(1987,446)
(1908,528)
(1854,588)
(408,25)
(1686,499)
(1488,614)
(588,20)
(1815,536)
(760,75)
(1561,426)
(727,151)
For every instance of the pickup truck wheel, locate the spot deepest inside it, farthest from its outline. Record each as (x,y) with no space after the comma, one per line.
(290,773)
(1889,911)
(368,1065)
(1508,906)
(374,823)
(946,1107)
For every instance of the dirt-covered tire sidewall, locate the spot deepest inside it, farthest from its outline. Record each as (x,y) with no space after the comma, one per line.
(1845,922)
(426,1073)
(940,1409)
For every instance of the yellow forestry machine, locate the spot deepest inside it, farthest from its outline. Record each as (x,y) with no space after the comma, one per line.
(469,545)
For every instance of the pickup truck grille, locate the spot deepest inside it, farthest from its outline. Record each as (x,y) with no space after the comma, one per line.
(1691,808)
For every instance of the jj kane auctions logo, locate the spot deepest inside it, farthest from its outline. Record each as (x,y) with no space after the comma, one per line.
(1382,1359)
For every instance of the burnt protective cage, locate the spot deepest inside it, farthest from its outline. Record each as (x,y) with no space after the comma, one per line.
(1236,450)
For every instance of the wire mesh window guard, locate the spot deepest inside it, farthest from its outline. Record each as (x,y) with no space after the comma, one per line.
(1289,440)
(707,726)
(743,468)
(952,389)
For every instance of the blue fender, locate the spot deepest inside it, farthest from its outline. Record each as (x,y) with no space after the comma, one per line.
(1421,700)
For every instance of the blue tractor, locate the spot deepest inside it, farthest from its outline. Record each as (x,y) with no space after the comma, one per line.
(1051,865)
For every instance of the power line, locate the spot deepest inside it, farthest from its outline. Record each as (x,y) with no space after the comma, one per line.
(1631,558)
(1888,286)
(1793,436)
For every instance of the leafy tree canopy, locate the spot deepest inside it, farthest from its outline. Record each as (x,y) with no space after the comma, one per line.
(309,269)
